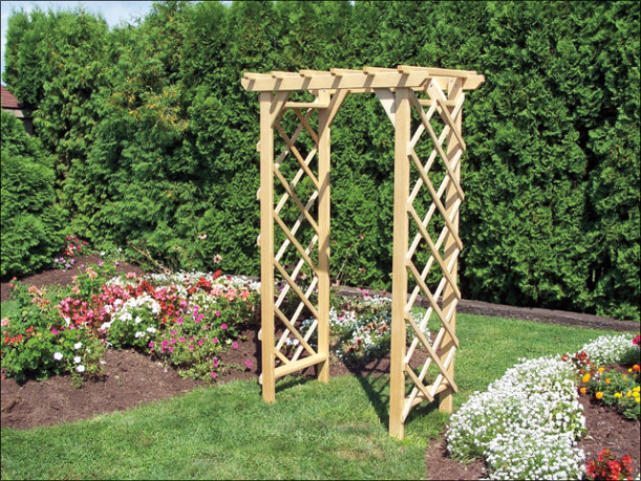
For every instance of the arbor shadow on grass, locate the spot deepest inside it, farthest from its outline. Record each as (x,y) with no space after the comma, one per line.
(374,380)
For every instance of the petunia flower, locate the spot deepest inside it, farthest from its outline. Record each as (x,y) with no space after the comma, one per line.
(57,356)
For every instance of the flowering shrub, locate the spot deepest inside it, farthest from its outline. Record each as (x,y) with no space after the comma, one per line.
(186,320)
(37,344)
(606,466)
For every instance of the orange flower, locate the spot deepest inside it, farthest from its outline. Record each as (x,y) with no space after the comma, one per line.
(601,370)
(583,391)
(599,395)
(607,380)
(586,378)
(636,368)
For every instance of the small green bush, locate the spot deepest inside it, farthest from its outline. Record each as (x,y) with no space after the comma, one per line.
(30,220)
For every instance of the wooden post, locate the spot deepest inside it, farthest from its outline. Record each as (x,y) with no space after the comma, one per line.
(451,197)
(399,268)
(324,212)
(267,246)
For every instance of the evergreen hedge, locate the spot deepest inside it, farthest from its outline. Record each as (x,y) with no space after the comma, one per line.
(30,220)
(155,138)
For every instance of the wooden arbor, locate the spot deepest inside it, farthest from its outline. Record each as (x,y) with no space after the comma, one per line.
(418,101)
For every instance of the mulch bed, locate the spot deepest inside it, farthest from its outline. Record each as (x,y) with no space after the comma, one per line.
(131,378)
(605,429)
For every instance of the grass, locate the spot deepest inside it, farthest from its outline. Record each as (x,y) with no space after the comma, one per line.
(313,431)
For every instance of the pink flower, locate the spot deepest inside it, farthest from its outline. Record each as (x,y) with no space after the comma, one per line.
(151,344)
(200,342)
(191,347)
(637,340)
(218,313)
(216,362)
(181,339)
(214,374)
(171,349)
(54,331)
(249,364)
(179,321)
(234,345)
(214,340)
(224,326)
(131,275)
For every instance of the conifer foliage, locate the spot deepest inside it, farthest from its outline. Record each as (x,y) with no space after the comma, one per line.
(154,138)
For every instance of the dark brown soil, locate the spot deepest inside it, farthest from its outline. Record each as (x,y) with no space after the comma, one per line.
(605,429)
(130,379)
(608,429)
(441,466)
(61,276)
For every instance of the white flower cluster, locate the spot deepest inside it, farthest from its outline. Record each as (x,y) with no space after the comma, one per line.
(128,311)
(182,279)
(526,454)
(534,402)
(610,349)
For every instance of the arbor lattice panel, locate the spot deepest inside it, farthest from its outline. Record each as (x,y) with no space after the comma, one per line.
(425,105)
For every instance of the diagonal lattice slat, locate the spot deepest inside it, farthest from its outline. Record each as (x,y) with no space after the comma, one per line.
(293,332)
(422,385)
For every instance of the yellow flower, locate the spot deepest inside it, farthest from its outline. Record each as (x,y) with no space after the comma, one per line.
(618,395)
(599,395)
(628,394)
(583,391)
(601,370)
(607,380)
(586,377)
(630,370)
(637,388)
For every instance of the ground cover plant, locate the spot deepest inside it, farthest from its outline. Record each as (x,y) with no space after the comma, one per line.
(527,424)
(313,431)
(184,320)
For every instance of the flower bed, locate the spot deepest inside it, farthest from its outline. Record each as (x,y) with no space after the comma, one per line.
(526,425)
(184,320)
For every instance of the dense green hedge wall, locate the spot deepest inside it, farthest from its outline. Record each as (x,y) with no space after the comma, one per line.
(30,220)
(155,138)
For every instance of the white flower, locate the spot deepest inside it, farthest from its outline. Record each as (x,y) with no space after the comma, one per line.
(57,356)
(137,320)
(77,345)
(139,334)
(80,368)
(151,329)
(77,359)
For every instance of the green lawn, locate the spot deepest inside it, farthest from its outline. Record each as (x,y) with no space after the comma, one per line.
(313,431)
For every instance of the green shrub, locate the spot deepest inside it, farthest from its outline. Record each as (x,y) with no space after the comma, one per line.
(154,136)
(30,220)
